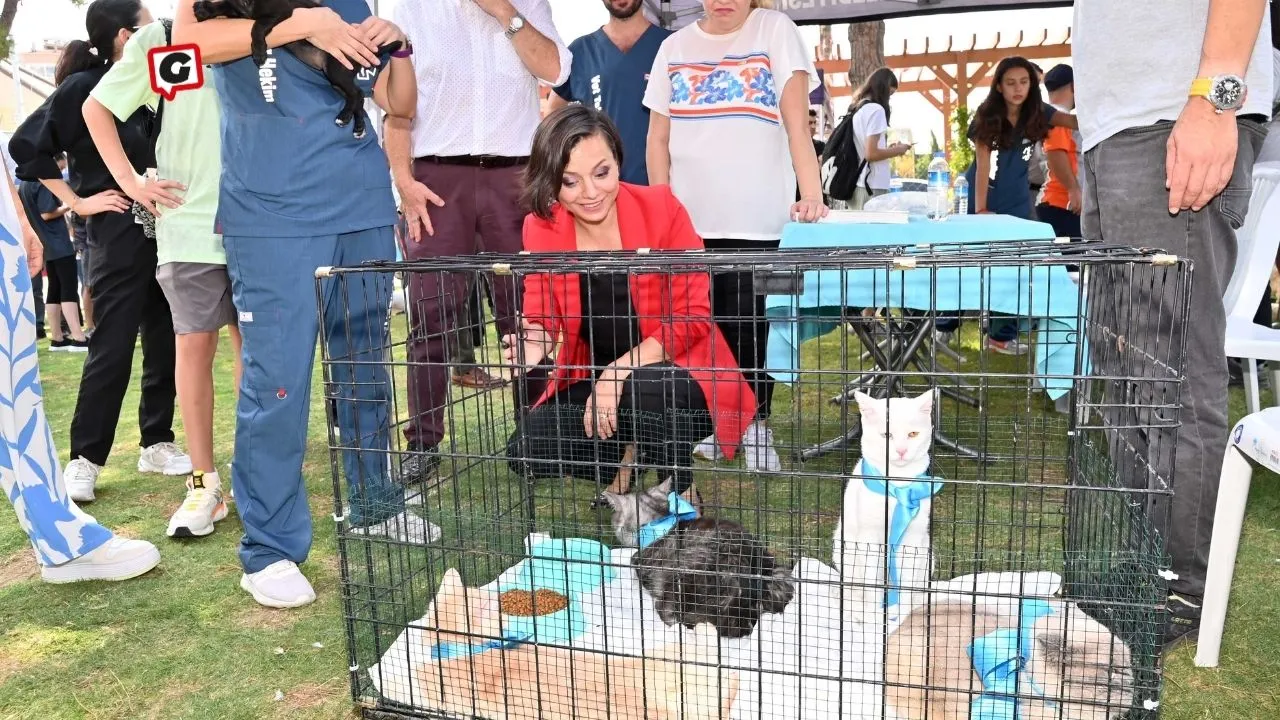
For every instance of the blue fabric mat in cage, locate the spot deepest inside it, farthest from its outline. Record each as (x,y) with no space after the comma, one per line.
(1045,292)
(570,567)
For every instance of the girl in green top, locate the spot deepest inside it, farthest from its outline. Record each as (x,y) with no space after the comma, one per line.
(191,263)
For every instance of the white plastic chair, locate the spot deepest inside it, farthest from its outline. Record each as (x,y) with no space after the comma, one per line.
(1257,242)
(1256,438)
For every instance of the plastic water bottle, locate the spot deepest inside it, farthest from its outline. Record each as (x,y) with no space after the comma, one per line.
(961,195)
(939,187)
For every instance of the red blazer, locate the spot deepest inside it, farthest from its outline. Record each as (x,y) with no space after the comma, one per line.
(675,308)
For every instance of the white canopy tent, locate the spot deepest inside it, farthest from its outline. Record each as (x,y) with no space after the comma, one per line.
(678,13)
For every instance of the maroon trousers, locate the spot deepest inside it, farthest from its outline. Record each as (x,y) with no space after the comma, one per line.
(481,213)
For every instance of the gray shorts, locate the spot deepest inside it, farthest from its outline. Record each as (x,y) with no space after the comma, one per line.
(199,296)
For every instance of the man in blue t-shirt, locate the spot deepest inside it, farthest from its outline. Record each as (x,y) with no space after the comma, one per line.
(610,71)
(299,192)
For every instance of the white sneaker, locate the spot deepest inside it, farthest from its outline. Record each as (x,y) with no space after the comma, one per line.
(203,507)
(118,559)
(708,449)
(81,477)
(405,527)
(164,458)
(757,444)
(279,585)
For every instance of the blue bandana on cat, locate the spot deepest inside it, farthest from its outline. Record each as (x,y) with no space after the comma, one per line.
(678,509)
(998,657)
(908,498)
(451,650)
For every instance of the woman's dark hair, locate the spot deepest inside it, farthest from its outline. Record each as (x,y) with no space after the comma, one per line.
(105,19)
(76,56)
(991,125)
(877,89)
(557,136)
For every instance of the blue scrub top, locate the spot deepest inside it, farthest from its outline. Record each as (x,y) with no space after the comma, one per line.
(287,169)
(1010,192)
(613,81)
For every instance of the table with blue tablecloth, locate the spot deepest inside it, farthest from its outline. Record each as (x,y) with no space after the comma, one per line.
(1043,293)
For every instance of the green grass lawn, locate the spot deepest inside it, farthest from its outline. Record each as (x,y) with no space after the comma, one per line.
(186,642)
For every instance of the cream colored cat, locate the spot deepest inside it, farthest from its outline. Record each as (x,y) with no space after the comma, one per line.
(1074,658)
(527,682)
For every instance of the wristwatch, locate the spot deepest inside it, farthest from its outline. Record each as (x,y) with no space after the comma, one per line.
(1224,92)
(516,25)
(405,51)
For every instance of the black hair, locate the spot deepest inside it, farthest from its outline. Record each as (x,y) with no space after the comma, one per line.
(76,56)
(991,125)
(556,137)
(105,19)
(877,89)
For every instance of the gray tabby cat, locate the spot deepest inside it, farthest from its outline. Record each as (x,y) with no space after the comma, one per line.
(703,570)
(1080,668)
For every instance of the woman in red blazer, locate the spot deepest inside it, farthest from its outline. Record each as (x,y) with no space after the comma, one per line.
(640,361)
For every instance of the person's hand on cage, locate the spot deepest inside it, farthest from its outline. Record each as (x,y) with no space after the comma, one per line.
(808,210)
(526,349)
(600,419)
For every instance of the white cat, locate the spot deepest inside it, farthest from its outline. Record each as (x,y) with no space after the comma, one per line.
(876,531)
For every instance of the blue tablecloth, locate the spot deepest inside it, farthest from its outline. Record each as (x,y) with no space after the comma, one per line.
(1045,293)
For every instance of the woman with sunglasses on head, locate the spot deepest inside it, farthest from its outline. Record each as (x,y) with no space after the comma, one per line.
(127,298)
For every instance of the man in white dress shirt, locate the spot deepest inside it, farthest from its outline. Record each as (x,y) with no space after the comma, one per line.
(457,169)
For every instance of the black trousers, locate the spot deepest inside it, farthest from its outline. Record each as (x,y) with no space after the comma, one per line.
(126,299)
(662,411)
(1065,223)
(739,313)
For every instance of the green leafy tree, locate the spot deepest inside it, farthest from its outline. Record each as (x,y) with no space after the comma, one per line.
(961,150)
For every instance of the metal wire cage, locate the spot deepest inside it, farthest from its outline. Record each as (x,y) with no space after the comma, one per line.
(789,567)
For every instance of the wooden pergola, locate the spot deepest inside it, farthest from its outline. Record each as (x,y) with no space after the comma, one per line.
(953,73)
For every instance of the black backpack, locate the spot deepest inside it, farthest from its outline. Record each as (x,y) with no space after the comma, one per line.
(842,162)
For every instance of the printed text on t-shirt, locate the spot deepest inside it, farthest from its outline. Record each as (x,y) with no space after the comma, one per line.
(267,78)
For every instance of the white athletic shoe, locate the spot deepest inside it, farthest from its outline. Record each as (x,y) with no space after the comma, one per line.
(81,477)
(279,585)
(164,458)
(708,449)
(405,527)
(203,506)
(757,444)
(118,559)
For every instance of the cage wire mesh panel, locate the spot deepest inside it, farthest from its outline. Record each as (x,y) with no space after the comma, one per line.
(950,528)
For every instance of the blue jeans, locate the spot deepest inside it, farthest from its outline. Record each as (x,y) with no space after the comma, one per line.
(273,286)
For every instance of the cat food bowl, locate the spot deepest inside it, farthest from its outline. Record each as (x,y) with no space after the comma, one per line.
(565,569)
(540,602)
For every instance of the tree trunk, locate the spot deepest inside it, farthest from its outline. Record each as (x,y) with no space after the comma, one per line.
(866,50)
(7,13)
(826,46)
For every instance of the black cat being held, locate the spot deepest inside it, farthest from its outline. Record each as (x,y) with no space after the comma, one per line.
(702,570)
(266,15)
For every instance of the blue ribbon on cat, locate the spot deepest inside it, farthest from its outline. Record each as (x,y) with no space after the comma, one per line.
(452,650)
(998,658)
(679,510)
(907,498)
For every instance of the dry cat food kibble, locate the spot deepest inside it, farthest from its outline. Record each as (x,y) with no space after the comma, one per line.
(525,604)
